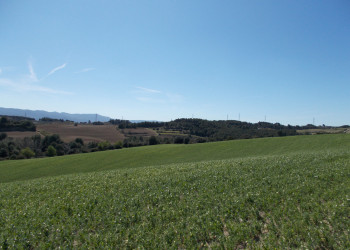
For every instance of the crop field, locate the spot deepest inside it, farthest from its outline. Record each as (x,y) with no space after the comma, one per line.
(138,132)
(324,131)
(291,192)
(68,132)
(21,134)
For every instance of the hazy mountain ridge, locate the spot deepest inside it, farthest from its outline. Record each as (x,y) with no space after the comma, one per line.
(37,114)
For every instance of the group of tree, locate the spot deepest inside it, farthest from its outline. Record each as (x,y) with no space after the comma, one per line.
(218,130)
(48,119)
(8,124)
(48,146)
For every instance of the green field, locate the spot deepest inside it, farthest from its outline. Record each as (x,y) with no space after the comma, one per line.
(167,154)
(291,192)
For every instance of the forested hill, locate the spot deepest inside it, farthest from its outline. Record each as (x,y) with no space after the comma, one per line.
(16,124)
(218,130)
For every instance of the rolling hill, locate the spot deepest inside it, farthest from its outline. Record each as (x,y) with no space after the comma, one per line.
(290,192)
(167,154)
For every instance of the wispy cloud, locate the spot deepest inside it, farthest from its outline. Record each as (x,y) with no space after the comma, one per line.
(30,82)
(32,75)
(146,90)
(0,71)
(147,95)
(150,100)
(85,70)
(56,69)
(25,86)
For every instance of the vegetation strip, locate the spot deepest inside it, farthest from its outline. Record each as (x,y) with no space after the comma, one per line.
(167,154)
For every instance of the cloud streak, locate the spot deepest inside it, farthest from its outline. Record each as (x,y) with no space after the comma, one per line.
(32,75)
(147,95)
(146,90)
(85,70)
(27,82)
(56,69)
(149,100)
(24,86)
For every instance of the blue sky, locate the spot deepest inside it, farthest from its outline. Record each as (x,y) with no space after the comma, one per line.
(162,60)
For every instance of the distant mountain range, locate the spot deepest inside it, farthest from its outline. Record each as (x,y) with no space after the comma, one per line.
(37,114)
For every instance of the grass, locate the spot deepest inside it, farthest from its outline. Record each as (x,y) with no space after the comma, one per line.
(166,154)
(296,201)
(280,193)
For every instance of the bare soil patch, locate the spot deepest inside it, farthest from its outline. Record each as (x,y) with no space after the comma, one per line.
(21,134)
(139,132)
(324,131)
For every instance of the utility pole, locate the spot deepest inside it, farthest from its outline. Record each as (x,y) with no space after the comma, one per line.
(239,117)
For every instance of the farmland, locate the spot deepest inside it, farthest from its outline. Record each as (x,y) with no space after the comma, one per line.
(68,132)
(290,192)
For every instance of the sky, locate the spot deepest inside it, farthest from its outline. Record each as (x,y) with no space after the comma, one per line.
(279,61)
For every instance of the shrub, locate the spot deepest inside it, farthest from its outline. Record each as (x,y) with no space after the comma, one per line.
(179,140)
(27,153)
(80,141)
(3,152)
(51,151)
(92,145)
(3,136)
(118,145)
(104,145)
(153,140)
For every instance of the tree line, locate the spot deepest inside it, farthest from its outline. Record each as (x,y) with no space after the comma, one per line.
(218,130)
(7,124)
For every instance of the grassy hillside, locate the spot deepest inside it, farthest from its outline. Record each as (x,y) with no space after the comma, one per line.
(295,200)
(167,154)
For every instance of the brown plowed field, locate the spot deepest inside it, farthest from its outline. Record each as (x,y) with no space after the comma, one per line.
(97,133)
(68,132)
(18,134)
(139,132)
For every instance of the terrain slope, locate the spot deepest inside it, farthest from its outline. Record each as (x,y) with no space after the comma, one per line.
(167,154)
(269,193)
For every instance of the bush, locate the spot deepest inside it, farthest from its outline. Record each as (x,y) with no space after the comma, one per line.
(153,140)
(92,145)
(118,145)
(104,145)
(3,152)
(13,157)
(3,136)
(179,140)
(51,151)
(80,141)
(27,153)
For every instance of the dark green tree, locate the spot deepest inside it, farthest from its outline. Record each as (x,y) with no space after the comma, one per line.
(27,152)
(153,140)
(51,151)
(3,136)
